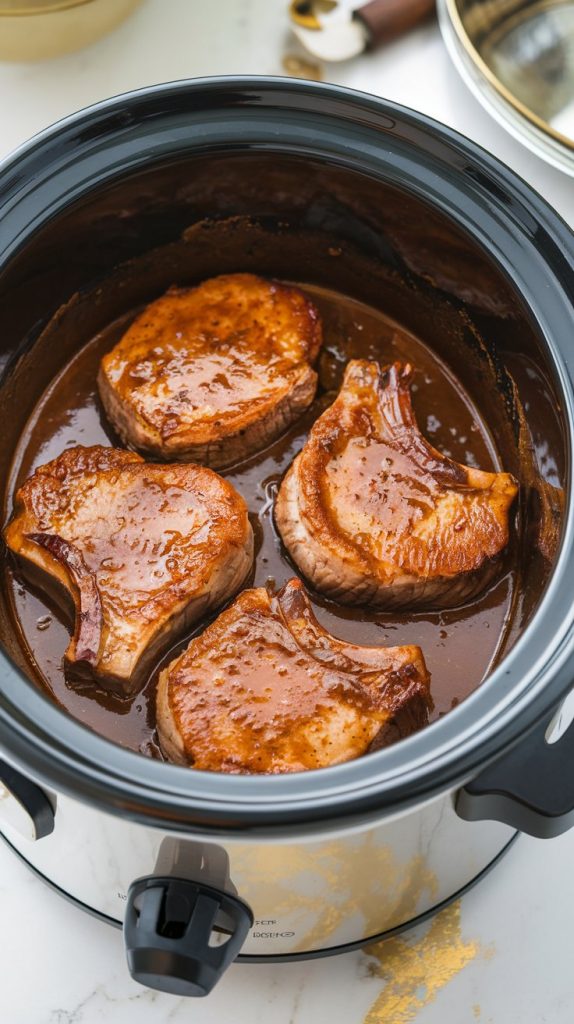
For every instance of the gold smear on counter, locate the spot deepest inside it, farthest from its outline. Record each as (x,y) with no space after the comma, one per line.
(476,1011)
(300,67)
(415,972)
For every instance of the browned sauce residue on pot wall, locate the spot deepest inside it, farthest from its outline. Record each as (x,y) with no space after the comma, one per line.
(459,645)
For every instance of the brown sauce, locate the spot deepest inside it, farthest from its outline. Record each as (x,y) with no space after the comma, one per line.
(460,645)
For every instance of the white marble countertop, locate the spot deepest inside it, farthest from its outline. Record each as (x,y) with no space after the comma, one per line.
(501,956)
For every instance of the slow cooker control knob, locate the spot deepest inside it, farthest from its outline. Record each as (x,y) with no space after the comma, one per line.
(180,936)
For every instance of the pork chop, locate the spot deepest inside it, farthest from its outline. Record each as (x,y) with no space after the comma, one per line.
(214,373)
(373,514)
(142,550)
(265,689)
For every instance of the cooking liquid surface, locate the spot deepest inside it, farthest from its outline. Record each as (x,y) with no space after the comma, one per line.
(459,645)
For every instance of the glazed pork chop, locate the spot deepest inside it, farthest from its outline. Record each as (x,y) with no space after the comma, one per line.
(142,550)
(373,514)
(214,373)
(265,689)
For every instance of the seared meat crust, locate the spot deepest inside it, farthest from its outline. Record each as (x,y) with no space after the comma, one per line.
(140,551)
(372,513)
(265,689)
(214,373)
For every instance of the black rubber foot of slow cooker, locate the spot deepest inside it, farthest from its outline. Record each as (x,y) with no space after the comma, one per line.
(349,947)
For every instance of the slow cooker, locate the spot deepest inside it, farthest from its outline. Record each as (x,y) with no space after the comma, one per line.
(313,183)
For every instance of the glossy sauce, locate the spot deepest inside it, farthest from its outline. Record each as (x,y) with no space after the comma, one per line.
(459,645)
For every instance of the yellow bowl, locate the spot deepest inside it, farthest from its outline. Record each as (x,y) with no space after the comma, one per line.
(47,28)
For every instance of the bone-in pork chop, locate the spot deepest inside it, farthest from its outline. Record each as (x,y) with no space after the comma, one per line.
(265,689)
(214,373)
(373,514)
(143,551)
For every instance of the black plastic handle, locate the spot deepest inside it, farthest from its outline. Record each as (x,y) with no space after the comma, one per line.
(530,788)
(33,800)
(180,936)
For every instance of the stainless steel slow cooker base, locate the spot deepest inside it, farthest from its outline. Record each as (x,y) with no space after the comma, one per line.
(349,947)
(310,890)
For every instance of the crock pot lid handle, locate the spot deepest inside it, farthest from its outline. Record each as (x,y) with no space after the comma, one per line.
(180,936)
(530,788)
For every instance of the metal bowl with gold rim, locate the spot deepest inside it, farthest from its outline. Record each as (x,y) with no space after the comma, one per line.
(39,29)
(517,56)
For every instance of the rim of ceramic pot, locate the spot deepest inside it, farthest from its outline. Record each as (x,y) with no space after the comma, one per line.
(532,246)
